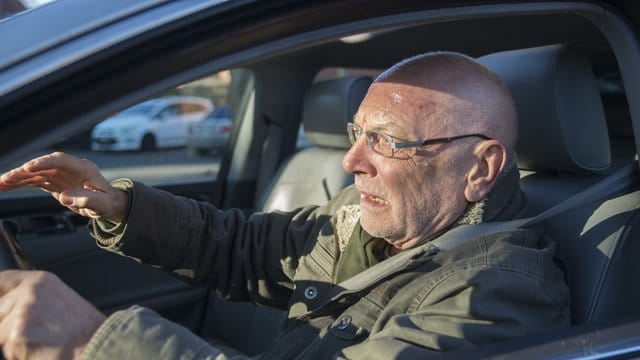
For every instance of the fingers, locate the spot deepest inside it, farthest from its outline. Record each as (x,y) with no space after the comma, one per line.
(26,176)
(10,279)
(53,184)
(7,304)
(32,181)
(76,183)
(47,165)
(55,172)
(94,204)
(55,160)
(7,187)
(78,199)
(58,163)
(33,166)
(15,178)
(42,318)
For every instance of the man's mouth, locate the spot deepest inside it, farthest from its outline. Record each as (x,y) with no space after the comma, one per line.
(372,198)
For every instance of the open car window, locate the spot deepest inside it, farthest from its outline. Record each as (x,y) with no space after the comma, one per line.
(178,136)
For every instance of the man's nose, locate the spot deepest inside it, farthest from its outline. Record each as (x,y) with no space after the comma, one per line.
(357,159)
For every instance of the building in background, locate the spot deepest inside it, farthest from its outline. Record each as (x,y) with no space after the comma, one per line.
(10,7)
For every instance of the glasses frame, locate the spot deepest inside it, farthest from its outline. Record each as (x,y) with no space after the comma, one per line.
(352,128)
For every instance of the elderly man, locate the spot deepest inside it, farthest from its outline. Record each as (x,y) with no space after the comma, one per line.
(433,145)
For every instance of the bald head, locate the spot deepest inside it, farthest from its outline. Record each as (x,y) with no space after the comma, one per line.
(478,100)
(411,194)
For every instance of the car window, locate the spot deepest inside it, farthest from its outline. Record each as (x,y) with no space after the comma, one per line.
(128,144)
(169,111)
(192,108)
(140,109)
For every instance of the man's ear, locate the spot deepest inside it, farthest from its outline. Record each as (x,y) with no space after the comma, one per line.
(490,159)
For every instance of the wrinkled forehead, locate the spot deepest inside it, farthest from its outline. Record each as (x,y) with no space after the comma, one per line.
(407,110)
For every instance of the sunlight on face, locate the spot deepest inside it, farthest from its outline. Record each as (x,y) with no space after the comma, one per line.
(404,201)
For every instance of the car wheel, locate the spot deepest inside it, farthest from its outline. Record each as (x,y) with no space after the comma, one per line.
(148,143)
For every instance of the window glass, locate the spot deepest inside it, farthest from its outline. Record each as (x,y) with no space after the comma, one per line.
(192,108)
(185,146)
(170,111)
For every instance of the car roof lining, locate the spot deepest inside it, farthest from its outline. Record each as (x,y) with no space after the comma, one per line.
(474,37)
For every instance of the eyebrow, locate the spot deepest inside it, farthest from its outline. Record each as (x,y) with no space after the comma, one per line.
(388,128)
(394,131)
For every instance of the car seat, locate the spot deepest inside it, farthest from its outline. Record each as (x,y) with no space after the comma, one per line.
(314,174)
(563,147)
(311,176)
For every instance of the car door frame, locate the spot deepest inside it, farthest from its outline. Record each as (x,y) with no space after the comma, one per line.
(621,36)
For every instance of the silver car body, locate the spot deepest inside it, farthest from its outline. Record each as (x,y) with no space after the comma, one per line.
(157,123)
(211,133)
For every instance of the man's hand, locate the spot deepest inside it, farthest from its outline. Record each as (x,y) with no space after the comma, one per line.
(76,183)
(42,318)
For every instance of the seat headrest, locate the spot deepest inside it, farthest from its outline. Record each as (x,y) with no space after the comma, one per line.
(562,126)
(329,105)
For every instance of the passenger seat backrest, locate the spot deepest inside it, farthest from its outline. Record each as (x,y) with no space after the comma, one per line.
(564,147)
(314,174)
(310,176)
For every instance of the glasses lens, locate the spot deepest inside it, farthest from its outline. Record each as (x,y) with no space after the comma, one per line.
(377,142)
(380,143)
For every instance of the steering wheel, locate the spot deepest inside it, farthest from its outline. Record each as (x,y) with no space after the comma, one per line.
(11,254)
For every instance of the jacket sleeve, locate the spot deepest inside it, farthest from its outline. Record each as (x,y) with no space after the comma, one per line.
(140,333)
(243,258)
(468,307)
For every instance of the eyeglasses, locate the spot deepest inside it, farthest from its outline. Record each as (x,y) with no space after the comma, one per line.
(387,145)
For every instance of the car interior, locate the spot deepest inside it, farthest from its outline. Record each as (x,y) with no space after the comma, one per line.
(562,67)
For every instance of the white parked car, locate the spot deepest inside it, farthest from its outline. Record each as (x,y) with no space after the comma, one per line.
(153,124)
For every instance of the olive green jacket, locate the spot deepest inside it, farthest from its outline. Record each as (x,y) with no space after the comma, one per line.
(493,287)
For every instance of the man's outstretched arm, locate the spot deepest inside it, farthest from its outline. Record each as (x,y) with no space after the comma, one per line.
(40,316)
(76,183)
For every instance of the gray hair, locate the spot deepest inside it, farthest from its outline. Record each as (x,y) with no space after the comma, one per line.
(421,57)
